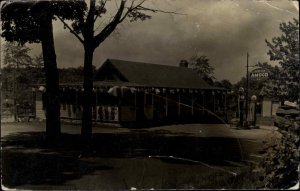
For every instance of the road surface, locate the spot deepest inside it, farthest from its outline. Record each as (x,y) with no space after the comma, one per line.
(185,156)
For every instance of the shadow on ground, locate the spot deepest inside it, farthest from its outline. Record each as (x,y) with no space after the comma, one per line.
(27,159)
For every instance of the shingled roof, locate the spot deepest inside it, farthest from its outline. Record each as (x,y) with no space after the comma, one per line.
(154,75)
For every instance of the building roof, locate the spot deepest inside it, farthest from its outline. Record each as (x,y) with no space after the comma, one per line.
(154,75)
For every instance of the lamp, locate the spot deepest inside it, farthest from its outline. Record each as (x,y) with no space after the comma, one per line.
(42,89)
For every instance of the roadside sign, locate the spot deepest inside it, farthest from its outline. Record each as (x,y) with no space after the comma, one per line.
(259,74)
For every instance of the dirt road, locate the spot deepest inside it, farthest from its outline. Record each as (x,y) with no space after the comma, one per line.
(178,156)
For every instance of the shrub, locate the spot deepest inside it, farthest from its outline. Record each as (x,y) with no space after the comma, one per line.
(279,169)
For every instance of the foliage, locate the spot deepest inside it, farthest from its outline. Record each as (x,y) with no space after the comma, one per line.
(16,56)
(94,26)
(280,164)
(270,87)
(17,83)
(19,72)
(21,20)
(28,77)
(275,86)
(255,87)
(281,161)
(38,61)
(224,84)
(202,67)
(283,80)
(285,49)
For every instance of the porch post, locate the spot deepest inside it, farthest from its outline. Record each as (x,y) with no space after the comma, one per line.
(135,105)
(179,104)
(214,101)
(34,101)
(166,99)
(192,104)
(225,103)
(144,99)
(96,104)
(144,106)
(119,108)
(152,105)
(76,105)
(203,106)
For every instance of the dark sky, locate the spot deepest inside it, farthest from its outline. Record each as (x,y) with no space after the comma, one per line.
(222,30)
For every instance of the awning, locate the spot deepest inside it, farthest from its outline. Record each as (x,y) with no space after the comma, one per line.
(120,90)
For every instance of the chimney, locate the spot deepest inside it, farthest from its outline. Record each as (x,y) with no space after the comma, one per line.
(183,63)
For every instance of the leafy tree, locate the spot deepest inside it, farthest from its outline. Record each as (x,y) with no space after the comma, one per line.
(224,84)
(279,167)
(38,61)
(16,56)
(87,31)
(31,22)
(273,86)
(285,49)
(19,72)
(203,68)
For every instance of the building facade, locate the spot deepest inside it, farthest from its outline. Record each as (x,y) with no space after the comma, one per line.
(128,93)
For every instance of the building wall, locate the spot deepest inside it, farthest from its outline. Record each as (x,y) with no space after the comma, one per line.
(275,106)
(269,107)
(266,108)
(134,107)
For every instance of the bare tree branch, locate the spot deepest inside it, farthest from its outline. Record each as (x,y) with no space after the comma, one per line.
(110,27)
(109,19)
(71,30)
(128,11)
(99,25)
(142,8)
(157,10)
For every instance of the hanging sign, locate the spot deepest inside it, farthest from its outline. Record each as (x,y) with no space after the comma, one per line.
(259,74)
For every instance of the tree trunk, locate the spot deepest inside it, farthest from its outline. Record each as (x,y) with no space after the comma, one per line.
(86,130)
(52,104)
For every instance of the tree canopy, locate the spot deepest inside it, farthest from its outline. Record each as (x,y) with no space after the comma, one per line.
(21,20)
(16,56)
(201,65)
(20,71)
(285,49)
(92,27)
(224,84)
(283,80)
